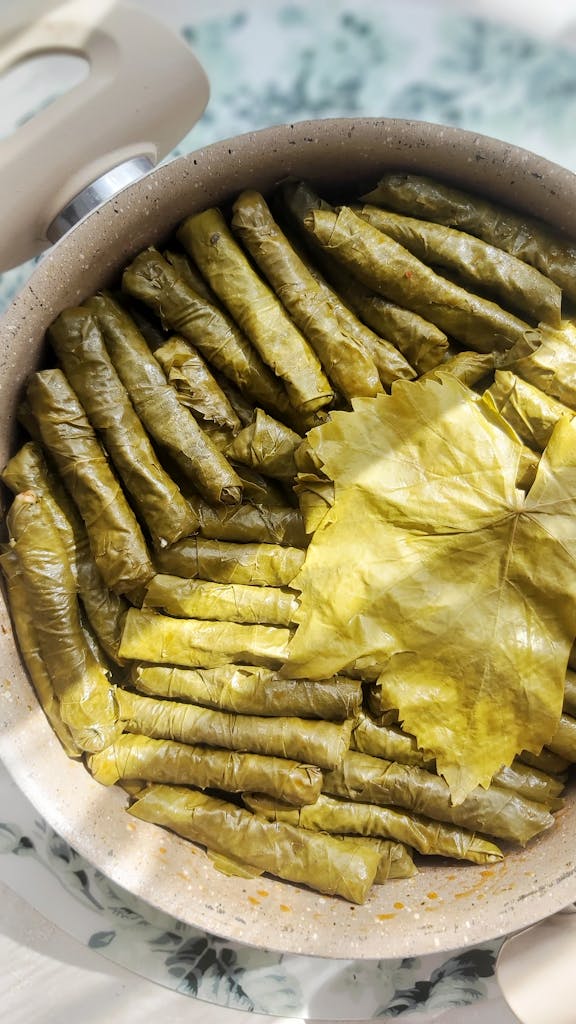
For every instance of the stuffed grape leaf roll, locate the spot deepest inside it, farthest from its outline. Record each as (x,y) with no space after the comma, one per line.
(85,695)
(116,539)
(314,859)
(252,690)
(132,756)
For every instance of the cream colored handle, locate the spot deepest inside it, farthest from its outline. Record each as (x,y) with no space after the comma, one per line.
(144,91)
(535,970)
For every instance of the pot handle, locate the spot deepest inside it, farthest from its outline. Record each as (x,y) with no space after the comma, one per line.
(144,91)
(535,971)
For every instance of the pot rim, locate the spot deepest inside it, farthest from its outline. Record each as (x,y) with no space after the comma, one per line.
(479,904)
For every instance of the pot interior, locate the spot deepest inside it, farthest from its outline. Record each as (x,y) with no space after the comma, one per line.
(446,905)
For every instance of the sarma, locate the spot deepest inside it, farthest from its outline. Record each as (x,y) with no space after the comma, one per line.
(388,742)
(250,523)
(532,783)
(314,859)
(387,267)
(194,384)
(256,309)
(152,280)
(140,757)
(250,690)
(188,273)
(314,490)
(266,445)
(346,363)
(25,630)
(525,237)
(531,412)
(395,861)
(266,565)
(570,693)
(227,602)
(170,424)
(79,345)
(116,539)
(306,740)
(563,741)
(391,363)
(428,837)
(467,367)
(105,610)
(552,366)
(422,343)
(497,812)
(513,282)
(545,761)
(197,643)
(81,684)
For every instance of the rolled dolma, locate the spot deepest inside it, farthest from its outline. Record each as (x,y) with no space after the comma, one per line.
(344,816)
(170,424)
(525,237)
(267,445)
(315,498)
(552,366)
(563,741)
(391,270)
(300,739)
(512,281)
(391,743)
(262,490)
(532,783)
(79,345)
(81,685)
(422,343)
(190,274)
(105,610)
(25,630)
(140,757)
(250,523)
(380,715)
(388,742)
(256,310)
(298,198)
(546,761)
(468,367)
(152,280)
(320,861)
(197,643)
(250,690)
(116,539)
(347,365)
(266,565)
(314,490)
(149,326)
(570,693)
(242,406)
(194,384)
(532,413)
(28,470)
(495,812)
(395,862)
(227,602)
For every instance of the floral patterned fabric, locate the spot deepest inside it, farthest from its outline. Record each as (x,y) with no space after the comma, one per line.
(268,63)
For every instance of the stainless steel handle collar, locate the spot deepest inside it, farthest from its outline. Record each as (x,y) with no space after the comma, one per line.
(97,192)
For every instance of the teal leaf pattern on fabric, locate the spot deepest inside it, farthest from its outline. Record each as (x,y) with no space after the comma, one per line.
(376,58)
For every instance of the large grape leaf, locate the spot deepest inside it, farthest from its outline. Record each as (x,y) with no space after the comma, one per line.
(435,566)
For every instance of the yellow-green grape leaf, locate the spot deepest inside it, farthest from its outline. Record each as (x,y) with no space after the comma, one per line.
(435,569)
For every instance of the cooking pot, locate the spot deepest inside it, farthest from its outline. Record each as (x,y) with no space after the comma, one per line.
(441,908)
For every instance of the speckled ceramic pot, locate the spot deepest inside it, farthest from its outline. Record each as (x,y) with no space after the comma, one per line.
(440,908)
